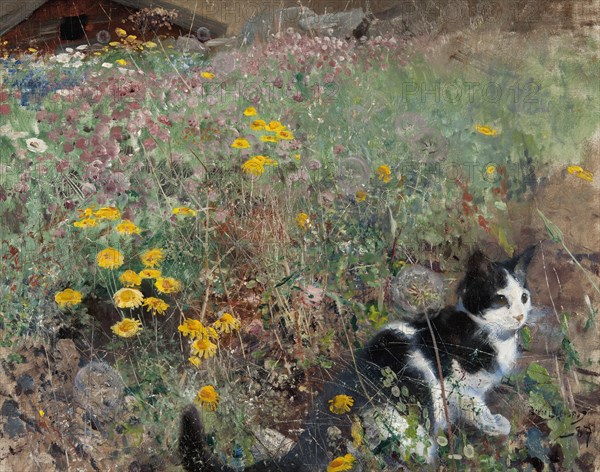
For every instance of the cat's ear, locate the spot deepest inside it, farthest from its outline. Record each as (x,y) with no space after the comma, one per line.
(478,264)
(518,265)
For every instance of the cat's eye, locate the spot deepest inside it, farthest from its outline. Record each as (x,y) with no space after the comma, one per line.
(524,297)
(500,300)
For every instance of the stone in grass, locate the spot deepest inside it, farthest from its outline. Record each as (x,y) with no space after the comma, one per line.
(98,389)
(270,443)
(25,384)
(415,290)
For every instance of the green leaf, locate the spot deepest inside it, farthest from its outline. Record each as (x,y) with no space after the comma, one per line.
(538,374)
(526,337)
(553,231)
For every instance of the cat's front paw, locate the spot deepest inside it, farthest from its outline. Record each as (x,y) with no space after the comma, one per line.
(499,426)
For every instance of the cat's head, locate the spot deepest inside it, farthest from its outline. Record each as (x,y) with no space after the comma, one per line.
(495,293)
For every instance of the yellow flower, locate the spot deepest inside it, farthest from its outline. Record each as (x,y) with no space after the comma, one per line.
(121,62)
(360,195)
(130,279)
(150,44)
(275,126)
(257,125)
(341,404)
(250,111)
(121,33)
(207,75)
(184,211)
(68,297)
(87,213)
(193,328)
(486,130)
(41,413)
(128,227)
(153,257)
(357,432)
(269,139)
(297,157)
(195,361)
(284,134)
(108,213)
(167,285)
(85,223)
(204,348)
(208,397)
(255,165)
(156,305)
(384,173)
(578,171)
(110,258)
(227,323)
(131,38)
(302,220)
(150,273)
(490,169)
(342,463)
(32,50)
(240,143)
(114,43)
(127,328)
(128,298)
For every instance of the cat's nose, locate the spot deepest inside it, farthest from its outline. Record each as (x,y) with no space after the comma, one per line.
(519,318)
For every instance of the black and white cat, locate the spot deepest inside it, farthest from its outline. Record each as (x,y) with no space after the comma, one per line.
(395,379)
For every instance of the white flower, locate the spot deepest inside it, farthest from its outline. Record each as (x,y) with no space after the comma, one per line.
(108,65)
(63,58)
(82,47)
(36,145)
(77,64)
(69,50)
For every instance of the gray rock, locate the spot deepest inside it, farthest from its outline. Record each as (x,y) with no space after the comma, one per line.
(14,427)
(190,44)
(10,408)
(25,384)
(340,24)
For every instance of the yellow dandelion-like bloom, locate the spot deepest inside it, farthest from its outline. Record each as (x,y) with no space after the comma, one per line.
(208,397)
(360,196)
(255,165)
(384,173)
(121,62)
(257,125)
(128,227)
(156,305)
(68,297)
(195,361)
(150,273)
(486,130)
(86,213)
(227,323)
(490,169)
(85,223)
(269,139)
(204,348)
(341,404)
(193,328)
(297,157)
(240,143)
(207,75)
(578,171)
(284,134)
(150,44)
(302,220)
(114,44)
(32,50)
(153,257)
(167,285)
(121,33)
(250,111)
(131,38)
(274,126)
(342,463)
(108,213)
(130,279)
(128,298)
(184,211)
(110,258)
(127,327)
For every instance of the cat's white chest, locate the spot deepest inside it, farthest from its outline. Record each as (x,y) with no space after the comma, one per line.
(507,355)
